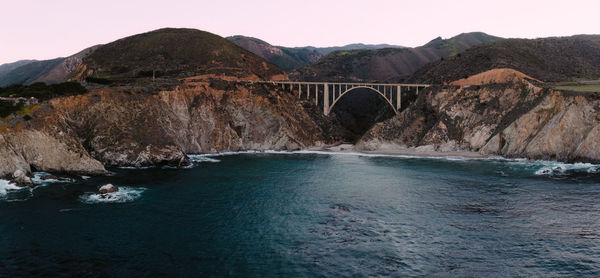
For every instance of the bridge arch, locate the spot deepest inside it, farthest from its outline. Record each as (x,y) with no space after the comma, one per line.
(337,98)
(320,93)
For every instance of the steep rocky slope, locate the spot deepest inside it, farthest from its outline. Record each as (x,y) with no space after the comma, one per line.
(123,127)
(391,64)
(134,121)
(47,71)
(514,119)
(286,58)
(548,59)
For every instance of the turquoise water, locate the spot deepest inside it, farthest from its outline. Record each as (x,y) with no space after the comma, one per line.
(306,215)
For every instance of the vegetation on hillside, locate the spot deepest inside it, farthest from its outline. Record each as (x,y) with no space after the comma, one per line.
(388,64)
(287,58)
(41,91)
(547,59)
(291,58)
(173,53)
(592,86)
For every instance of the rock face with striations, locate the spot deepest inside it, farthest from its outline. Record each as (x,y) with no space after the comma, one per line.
(204,100)
(114,127)
(514,119)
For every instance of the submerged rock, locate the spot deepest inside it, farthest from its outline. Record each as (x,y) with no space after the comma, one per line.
(108,188)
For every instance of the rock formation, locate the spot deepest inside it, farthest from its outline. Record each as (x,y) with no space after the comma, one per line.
(108,188)
(128,127)
(513,119)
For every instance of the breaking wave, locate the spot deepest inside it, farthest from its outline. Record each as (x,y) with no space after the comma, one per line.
(124,195)
(552,168)
(538,167)
(38,179)
(6,187)
(199,158)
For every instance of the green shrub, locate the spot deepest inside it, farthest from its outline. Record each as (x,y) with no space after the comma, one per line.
(96,80)
(7,108)
(41,91)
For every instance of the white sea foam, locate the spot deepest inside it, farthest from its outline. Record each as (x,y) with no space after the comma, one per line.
(199,158)
(37,179)
(136,168)
(124,195)
(6,187)
(540,167)
(549,168)
(453,158)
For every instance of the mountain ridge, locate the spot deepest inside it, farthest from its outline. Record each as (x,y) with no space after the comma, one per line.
(290,58)
(388,64)
(548,59)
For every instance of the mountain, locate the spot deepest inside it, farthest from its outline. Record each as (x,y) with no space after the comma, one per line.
(389,64)
(30,72)
(548,59)
(47,71)
(353,46)
(8,67)
(286,58)
(171,53)
(290,58)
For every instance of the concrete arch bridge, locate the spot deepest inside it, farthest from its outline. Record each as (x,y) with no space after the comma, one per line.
(329,93)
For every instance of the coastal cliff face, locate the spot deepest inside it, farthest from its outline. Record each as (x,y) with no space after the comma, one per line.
(514,119)
(129,127)
(505,114)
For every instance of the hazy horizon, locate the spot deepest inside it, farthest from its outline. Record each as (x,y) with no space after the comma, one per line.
(41,30)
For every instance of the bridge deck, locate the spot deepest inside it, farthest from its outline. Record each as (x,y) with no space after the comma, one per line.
(346,83)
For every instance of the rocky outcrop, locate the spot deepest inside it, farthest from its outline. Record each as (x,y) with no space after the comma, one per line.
(25,149)
(562,127)
(135,127)
(108,188)
(514,119)
(21,179)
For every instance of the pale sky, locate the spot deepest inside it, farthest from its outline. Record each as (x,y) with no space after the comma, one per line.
(44,29)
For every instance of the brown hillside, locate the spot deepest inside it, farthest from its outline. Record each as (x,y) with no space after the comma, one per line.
(494,76)
(172,53)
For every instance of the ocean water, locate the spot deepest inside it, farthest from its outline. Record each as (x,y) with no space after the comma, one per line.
(309,215)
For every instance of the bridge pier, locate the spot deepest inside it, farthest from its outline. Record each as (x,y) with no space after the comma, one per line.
(398,97)
(326,99)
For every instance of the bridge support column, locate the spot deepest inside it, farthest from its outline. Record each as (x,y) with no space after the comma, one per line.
(398,98)
(299,90)
(317,95)
(326,99)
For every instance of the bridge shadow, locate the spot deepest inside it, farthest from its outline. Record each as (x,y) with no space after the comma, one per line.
(359,110)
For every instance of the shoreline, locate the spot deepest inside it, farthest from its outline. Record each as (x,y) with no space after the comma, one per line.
(351,148)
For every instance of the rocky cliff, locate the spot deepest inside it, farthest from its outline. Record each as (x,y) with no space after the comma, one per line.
(133,127)
(512,119)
